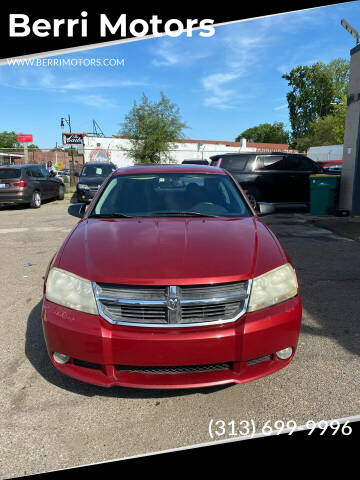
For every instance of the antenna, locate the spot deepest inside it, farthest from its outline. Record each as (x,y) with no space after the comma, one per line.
(97,131)
(350,29)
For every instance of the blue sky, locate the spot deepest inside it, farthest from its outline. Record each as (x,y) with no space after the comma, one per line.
(223,84)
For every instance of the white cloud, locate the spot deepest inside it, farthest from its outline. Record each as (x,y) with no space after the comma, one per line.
(281,107)
(174,52)
(49,81)
(244,48)
(94,100)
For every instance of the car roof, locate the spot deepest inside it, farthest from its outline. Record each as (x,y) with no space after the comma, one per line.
(21,165)
(182,168)
(221,155)
(98,163)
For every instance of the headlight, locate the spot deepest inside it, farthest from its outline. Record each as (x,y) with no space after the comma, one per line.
(71,291)
(273,287)
(82,186)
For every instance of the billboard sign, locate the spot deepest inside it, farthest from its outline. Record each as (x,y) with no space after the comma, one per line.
(24,138)
(73,138)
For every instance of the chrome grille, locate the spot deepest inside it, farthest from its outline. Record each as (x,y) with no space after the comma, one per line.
(200,313)
(172,306)
(138,314)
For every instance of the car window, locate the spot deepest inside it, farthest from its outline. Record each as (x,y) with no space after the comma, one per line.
(96,170)
(170,194)
(9,173)
(36,172)
(44,172)
(236,162)
(276,163)
(305,164)
(214,163)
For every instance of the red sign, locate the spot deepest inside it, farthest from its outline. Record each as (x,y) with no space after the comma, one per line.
(24,137)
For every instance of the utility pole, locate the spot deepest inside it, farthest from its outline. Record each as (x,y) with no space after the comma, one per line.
(72,165)
(350,176)
(26,153)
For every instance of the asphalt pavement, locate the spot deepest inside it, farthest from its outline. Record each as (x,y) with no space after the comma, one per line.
(49,421)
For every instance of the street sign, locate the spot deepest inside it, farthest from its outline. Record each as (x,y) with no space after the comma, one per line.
(24,138)
(73,138)
(350,29)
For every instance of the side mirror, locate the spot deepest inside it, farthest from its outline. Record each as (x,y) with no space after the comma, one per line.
(76,174)
(266,208)
(77,209)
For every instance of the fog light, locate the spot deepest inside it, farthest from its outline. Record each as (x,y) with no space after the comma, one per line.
(284,354)
(60,358)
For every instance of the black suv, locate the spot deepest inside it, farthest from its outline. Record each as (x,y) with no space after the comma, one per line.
(28,184)
(91,177)
(279,178)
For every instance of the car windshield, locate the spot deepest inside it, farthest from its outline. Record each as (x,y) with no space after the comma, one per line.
(171,194)
(97,170)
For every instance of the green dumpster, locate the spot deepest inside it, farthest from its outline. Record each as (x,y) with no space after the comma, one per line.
(323,194)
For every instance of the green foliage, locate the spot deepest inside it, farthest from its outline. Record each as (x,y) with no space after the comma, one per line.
(9,140)
(151,127)
(33,147)
(266,133)
(328,130)
(314,90)
(71,150)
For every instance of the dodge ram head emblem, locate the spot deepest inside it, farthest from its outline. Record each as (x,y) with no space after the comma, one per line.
(173,303)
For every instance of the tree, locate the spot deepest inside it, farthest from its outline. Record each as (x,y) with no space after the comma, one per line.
(328,130)
(266,133)
(314,91)
(151,127)
(72,150)
(33,147)
(9,140)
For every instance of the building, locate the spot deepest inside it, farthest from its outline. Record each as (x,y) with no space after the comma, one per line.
(60,158)
(114,149)
(7,158)
(326,153)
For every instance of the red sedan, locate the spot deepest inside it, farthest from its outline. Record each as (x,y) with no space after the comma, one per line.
(170,280)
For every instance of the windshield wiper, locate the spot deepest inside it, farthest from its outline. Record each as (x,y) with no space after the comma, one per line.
(183,214)
(110,215)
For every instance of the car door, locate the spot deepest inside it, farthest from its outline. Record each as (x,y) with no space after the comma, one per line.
(272,179)
(303,168)
(52,183)
(40,181)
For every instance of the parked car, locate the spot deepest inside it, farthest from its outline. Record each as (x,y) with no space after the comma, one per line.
(91,178)
(278,178)
(29,184)
(195,162)
(331,166)
(165,288)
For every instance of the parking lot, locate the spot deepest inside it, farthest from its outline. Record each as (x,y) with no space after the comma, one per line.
(49,421)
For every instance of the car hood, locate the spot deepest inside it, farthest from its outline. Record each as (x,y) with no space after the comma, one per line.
(170,251)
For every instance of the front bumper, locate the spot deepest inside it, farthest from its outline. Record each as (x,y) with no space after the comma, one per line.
(100,351)
(85,195)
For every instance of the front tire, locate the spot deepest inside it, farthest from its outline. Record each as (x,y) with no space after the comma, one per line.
(61,193)
(35,200)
